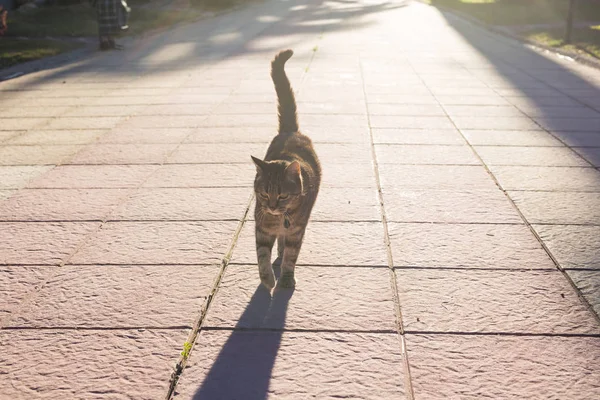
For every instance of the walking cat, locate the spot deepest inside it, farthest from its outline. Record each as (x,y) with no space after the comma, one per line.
(286,186)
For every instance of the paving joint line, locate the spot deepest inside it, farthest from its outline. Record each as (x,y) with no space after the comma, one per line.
(247,163)
(406,332)
(467,268)
(197,326)
(94,328)
(502,333)
(298,330)
(582,298)
(313,265)
(238,264)
(393,279)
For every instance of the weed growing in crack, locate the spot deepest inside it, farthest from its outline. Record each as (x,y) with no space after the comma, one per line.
(187,347)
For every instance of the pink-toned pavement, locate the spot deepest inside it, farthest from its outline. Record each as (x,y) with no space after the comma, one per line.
(454,252)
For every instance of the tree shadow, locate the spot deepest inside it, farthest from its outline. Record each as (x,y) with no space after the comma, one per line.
(564,102)
(243,368)
(214,40)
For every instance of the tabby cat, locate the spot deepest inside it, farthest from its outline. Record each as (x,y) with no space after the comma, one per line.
(286,186)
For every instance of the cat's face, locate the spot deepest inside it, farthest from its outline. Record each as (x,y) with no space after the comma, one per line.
(278,185)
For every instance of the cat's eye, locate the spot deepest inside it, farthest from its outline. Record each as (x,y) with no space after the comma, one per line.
(263,195)
(283,196)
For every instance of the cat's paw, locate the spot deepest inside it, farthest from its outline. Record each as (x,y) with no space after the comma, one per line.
(286,281)
(268,279)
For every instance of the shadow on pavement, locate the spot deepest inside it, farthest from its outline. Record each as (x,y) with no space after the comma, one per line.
(216,39)
(564,102)
(242,370)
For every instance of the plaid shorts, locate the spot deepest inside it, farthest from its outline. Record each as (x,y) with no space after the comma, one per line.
(110,16)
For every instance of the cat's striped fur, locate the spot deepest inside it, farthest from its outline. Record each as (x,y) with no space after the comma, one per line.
(286,186)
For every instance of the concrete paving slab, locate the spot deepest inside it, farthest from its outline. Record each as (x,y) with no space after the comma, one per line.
(532,156)
(466,245)
(173,204)
(435,177)
(573,246)
(424,154)
(42,243)
(83,123)
(449,206)
(291,365)
(145,136)
(57,137)
(566,207)
(226,153)
(578,139)
(124,363)
(503,366)
(93,176)
(588,282)
(347,243)
(453,300)
(325,298)
(118,296)
(483,111)
(23,123)
(418,136)
(347,204)
(17,283)
(410,122)
(202,175)
(591,155)
(37,155)
(5,193)
(547,178)
(61,204)
(157,243)
(107,154)
(570,124)
(510,138)
(7,135)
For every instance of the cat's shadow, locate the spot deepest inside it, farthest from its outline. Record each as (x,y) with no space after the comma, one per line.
(242,370)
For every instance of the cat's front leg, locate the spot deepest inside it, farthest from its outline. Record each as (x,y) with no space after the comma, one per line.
(264,245)
(280,246)
(293,243)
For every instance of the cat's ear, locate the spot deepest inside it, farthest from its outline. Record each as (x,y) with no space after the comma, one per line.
(260,164)
(293,171)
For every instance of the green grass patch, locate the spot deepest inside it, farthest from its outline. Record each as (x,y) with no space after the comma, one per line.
(521,12)
(586,41)
(72,21)
(15,51)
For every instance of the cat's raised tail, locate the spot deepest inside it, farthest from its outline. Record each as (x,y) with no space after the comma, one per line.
(288,118)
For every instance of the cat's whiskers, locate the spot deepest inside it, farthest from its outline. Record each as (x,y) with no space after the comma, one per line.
(261,215)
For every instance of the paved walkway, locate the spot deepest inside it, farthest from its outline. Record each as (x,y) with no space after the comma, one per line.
(454,252)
